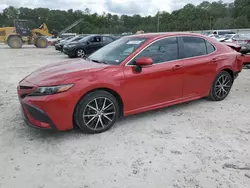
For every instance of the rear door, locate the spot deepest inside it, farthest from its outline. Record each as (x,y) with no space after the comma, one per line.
(199,61)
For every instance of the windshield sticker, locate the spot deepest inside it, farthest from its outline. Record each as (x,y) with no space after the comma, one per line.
(134,42)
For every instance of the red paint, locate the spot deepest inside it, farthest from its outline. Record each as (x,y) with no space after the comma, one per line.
(156,86)
(144,61)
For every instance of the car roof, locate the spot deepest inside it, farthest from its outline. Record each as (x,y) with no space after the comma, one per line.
(165,34)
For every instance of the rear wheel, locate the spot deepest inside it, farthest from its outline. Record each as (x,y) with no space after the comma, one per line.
(41,42)
(221,86)
(15,42)
(96,112)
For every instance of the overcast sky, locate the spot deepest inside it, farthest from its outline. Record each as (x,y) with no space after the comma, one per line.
(143,7)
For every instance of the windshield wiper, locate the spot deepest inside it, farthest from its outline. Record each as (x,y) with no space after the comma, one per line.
(103,62)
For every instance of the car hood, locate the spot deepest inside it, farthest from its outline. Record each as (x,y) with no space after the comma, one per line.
(64,72)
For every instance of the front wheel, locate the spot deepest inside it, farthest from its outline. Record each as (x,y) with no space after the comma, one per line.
(96,112)
(41,42)
(80,53)
(221,86)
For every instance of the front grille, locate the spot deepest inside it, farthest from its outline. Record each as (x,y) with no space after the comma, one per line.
(26,87)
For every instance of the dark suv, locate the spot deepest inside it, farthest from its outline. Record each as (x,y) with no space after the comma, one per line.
(59,46)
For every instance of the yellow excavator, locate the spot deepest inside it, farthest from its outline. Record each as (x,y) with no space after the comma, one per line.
(16,36)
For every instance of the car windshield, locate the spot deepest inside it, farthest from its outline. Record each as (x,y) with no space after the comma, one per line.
(76,38)
(225,32)
(85,38)
(115,52)
(228,36)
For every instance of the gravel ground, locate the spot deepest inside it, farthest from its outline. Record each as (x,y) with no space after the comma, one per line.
(197,144)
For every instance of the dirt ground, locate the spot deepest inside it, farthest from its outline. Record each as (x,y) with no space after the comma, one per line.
(200,144)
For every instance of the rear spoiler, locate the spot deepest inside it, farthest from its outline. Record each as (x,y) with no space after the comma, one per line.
(237,47)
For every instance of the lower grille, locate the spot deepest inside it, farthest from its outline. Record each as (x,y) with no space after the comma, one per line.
(26,87)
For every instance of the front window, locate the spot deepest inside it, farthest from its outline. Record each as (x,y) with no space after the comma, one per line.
(116,52)
(160,51)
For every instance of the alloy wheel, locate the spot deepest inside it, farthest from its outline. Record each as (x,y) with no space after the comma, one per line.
(223,86)
(99,113)
(80,53)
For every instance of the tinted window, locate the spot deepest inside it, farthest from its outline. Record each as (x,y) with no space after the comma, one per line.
(95,39)
(161,51)
(210,47)
(193,46)
(107,39)
(115,52)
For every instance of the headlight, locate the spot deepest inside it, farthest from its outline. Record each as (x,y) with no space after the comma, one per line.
(51,90)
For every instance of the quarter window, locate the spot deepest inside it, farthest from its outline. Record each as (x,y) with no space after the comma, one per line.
(161,51)
(194,46)
(210,47)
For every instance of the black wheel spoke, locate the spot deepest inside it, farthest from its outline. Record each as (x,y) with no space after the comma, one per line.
(222,86)
(99,113)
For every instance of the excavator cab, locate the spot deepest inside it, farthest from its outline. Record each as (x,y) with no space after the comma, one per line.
(22,28)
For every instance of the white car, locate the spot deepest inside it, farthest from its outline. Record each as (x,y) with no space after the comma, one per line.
(52,40)
(230,37)
(217,37)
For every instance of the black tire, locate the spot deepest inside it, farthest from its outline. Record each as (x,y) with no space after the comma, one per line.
(15,42)
(41,42)
(80,53)
(221,86)
(83,113)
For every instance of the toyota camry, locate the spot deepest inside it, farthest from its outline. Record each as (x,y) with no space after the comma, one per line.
(133,74)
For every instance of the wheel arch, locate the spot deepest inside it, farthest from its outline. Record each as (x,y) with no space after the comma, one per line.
(109,90)
(229,71)
(13,35)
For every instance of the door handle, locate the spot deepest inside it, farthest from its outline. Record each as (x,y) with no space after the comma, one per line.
(177,67)
(214,60)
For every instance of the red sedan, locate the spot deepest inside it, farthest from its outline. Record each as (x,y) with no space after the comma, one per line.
(130,75)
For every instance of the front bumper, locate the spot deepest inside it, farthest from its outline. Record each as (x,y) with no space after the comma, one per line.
(69,51)
(47,112)
(59,47)
(35,117)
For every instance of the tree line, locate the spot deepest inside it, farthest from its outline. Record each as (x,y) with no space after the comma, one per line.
(205,16)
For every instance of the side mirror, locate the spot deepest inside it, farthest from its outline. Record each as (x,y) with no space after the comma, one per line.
(244,50)
(142,62)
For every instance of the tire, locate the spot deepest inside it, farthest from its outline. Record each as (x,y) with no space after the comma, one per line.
(15,42)
(41,42)
(80,53)
(93,121)
(221,86)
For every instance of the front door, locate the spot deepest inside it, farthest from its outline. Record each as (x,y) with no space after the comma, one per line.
(160,83)
(94,44)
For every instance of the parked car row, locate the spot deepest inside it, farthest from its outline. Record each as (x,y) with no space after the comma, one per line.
(229,36)
(83,45)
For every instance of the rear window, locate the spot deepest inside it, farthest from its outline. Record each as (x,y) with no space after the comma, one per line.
(194,46)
